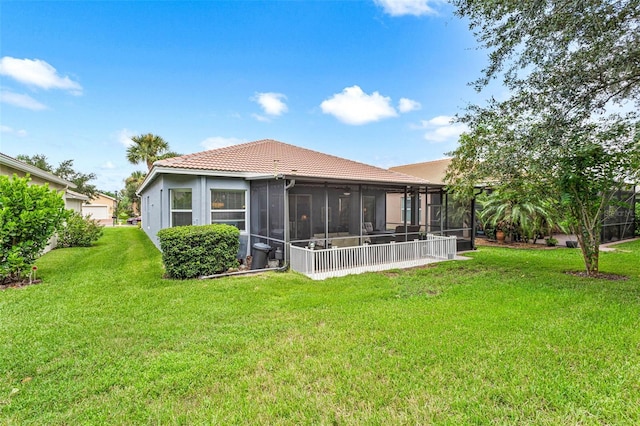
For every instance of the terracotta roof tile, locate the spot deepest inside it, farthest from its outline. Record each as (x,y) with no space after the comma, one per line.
(273,157)
(433,171)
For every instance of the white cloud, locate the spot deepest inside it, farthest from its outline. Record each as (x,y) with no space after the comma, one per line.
(35,72)
(108,165)
(261,118)
(353,106)
(441,120)
(215,142)
(442,128)
(406,105)
(407,7)
(124,137)
(11,131)
(271,103)
(21,101)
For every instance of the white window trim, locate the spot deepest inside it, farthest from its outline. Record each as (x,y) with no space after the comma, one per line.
(172,210)
(212,210)
(408,205)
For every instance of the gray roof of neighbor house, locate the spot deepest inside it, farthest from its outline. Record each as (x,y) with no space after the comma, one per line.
(71,195)
(433,171)
(33,171)
(267,157)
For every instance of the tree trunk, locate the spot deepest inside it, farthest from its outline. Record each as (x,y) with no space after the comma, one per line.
(590,246)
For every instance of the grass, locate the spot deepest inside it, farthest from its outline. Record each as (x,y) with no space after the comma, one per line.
(504,338)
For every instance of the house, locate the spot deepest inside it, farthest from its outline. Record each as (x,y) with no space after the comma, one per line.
(438,210)
(291,198)
(100,208)
(10,166)
(72,200)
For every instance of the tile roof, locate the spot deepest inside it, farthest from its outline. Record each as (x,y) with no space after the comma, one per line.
(7,161)
(271,157)
(432,171)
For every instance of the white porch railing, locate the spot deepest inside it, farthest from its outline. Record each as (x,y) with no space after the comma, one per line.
(337,262)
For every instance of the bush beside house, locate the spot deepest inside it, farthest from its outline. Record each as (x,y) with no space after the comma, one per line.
(29,216)
(79,231)
(193,251)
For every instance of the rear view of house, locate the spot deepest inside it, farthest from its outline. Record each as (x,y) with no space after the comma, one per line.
(282,195)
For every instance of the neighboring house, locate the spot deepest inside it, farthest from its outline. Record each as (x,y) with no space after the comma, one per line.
(100,208)
(281,195)
(10,166)
(618,222)
(72,200)
(437,209)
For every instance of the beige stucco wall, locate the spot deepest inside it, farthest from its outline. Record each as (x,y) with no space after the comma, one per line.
(102,200)
(394,209)
(35,180)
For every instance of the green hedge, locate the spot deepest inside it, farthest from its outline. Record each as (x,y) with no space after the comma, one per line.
(193,251)
(79,231)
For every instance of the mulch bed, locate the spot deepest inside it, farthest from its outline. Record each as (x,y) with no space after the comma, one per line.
(18,284)
(488,243)
(599,275)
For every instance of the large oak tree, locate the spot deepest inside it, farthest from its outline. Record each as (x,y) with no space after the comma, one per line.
(570,126)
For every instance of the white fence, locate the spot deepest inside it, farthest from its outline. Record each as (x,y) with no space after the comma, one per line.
(337,262)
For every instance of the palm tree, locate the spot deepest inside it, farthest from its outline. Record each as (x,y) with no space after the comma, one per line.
(148,148)
(518,212)
(131,184)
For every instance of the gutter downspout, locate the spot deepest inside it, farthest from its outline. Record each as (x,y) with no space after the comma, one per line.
(290,185)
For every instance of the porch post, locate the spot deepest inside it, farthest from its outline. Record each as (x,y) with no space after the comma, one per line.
(287,239)
(404,212)
(326,216)
(415,206)
(445,215)
(361,212)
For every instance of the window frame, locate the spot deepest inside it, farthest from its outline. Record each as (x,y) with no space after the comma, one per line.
(214,210)
(407,202)
(173,210)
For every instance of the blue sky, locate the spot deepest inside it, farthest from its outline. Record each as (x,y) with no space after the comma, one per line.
(372,81)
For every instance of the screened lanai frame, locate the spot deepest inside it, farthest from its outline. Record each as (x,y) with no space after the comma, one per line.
(619,219)
(325,215)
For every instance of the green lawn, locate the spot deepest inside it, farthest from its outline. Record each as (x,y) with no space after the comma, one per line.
(504,338)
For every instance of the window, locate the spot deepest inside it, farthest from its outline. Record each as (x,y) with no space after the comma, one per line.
(228,206)
(181,207)
(407,211)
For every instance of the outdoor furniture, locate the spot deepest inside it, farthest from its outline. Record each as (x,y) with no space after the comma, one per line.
(381,237)
(411,233)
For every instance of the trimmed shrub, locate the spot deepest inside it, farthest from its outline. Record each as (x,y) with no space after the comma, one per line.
(194,251)
(29,216)
(551,242)
(79,231)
